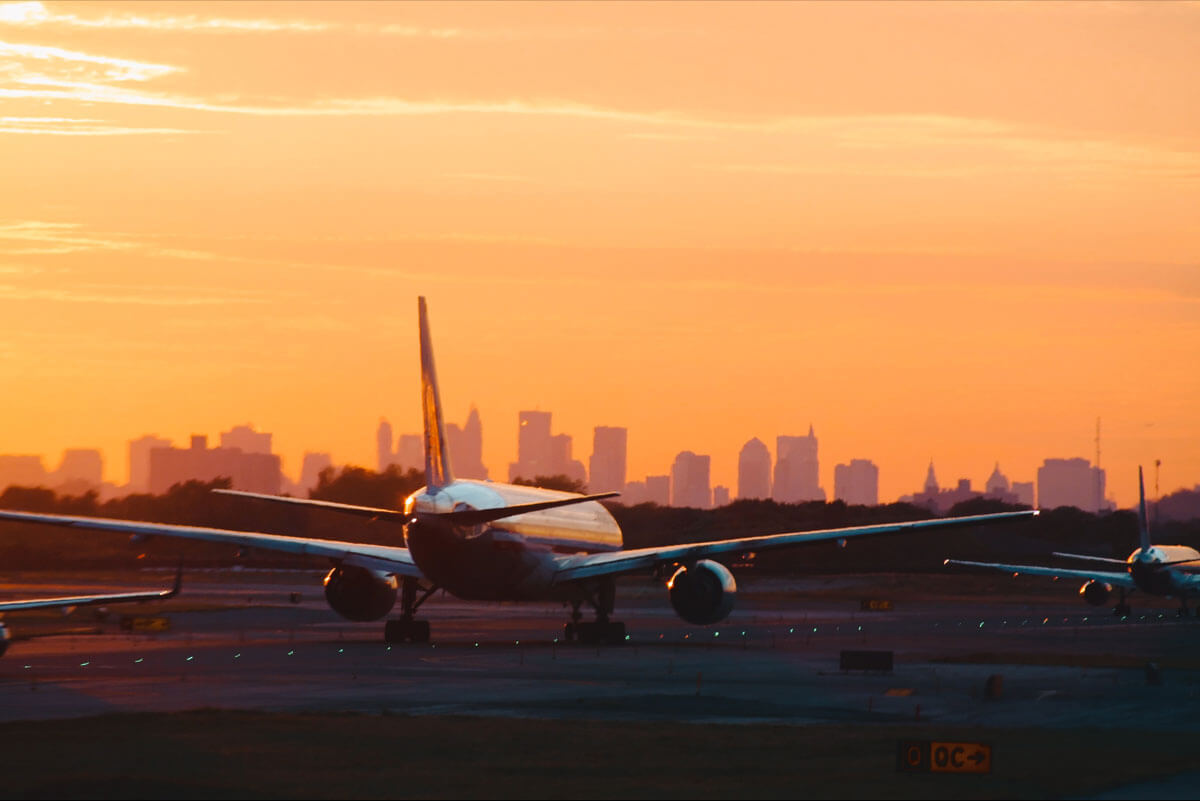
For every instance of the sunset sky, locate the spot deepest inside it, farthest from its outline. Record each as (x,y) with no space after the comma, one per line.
(958,231)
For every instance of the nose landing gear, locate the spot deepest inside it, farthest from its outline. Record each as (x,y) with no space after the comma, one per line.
(602,631)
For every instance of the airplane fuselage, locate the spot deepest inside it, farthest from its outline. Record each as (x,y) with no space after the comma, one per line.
(507,559)
(1153,577)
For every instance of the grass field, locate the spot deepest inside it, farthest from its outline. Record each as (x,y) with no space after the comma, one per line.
(213,754)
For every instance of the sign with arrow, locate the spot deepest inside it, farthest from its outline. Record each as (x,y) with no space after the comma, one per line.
(935,756)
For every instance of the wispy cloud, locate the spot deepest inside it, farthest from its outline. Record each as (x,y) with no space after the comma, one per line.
(40,237)
(112,69)
(69,126)
(106,296)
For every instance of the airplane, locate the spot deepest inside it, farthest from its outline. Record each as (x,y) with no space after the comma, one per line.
(487,541)
(70,602)
(1170,570)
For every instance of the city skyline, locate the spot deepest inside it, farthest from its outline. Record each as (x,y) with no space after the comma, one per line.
(759,215)
(1065,481)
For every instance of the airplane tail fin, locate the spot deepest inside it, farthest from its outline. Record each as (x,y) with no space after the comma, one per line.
(1143,521)
(437,448)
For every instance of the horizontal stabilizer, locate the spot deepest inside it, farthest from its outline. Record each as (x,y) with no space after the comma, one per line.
(346,508)
(477,517)
(1088,558)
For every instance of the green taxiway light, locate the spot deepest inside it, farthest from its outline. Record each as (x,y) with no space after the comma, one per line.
(139,659)
(291,652)
(190,658)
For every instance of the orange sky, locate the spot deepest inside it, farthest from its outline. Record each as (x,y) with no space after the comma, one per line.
(958,231)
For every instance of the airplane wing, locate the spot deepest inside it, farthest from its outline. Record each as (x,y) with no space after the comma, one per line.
(582,566)
(1121,579)
(387,558)
(93,600)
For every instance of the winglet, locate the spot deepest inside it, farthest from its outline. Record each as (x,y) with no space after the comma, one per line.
(1143,522)
(176,587)
(437,449)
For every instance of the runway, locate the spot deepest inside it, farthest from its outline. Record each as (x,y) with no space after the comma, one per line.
(269,642)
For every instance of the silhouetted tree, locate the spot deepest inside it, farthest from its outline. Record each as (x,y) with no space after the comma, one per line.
(363,487)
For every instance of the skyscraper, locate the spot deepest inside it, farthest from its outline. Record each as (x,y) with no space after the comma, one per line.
(311,467)
(541,454)
(410,453)
(754,470)
(606,467)
(533,446)
(857,483)
(246,439)
(466,447)
(796,469)
(384,455)
(690,481)
(1071,482)
(658,490)
(139,460)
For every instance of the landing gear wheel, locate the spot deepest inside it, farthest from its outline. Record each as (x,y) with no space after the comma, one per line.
(569,632)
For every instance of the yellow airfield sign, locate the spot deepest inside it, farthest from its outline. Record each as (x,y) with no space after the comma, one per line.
(937,756)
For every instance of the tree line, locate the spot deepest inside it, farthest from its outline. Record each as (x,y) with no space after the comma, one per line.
(29,546)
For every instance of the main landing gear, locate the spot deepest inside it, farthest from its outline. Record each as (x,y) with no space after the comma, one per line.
(1122,609)
(405,628)
(602,631)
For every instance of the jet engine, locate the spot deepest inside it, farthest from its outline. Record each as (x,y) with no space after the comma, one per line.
(1095,592)
(702,593)
(359,594)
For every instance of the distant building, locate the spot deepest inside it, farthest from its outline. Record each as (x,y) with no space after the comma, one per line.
(384,455)
(81,470)
(939,500)
(754,470)
(797,470)
(690,481)
(251,472)
(22,470)
(633,493)
(606,467)
(856,483)
(466,447)
(1071,482)
(139,460)
(311,467)
(998,488)
(1023,490)
(720,496)
(410,453)
(541,454)
(246,439)
(658,490)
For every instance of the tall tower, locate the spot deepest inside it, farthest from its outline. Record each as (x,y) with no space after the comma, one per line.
(606,467)
(139,460)
(383,445)
(796,469)
(754,470)
(690,481)
(931,483)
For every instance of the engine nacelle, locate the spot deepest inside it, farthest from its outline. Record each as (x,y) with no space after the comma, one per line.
(702,593)
(4,636)
(359,594)
(1095,593)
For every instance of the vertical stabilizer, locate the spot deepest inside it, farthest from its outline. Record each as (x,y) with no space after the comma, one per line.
(437,449)
(1143,522)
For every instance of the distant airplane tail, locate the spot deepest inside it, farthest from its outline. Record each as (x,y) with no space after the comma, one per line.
(437,448)
(1143,521)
